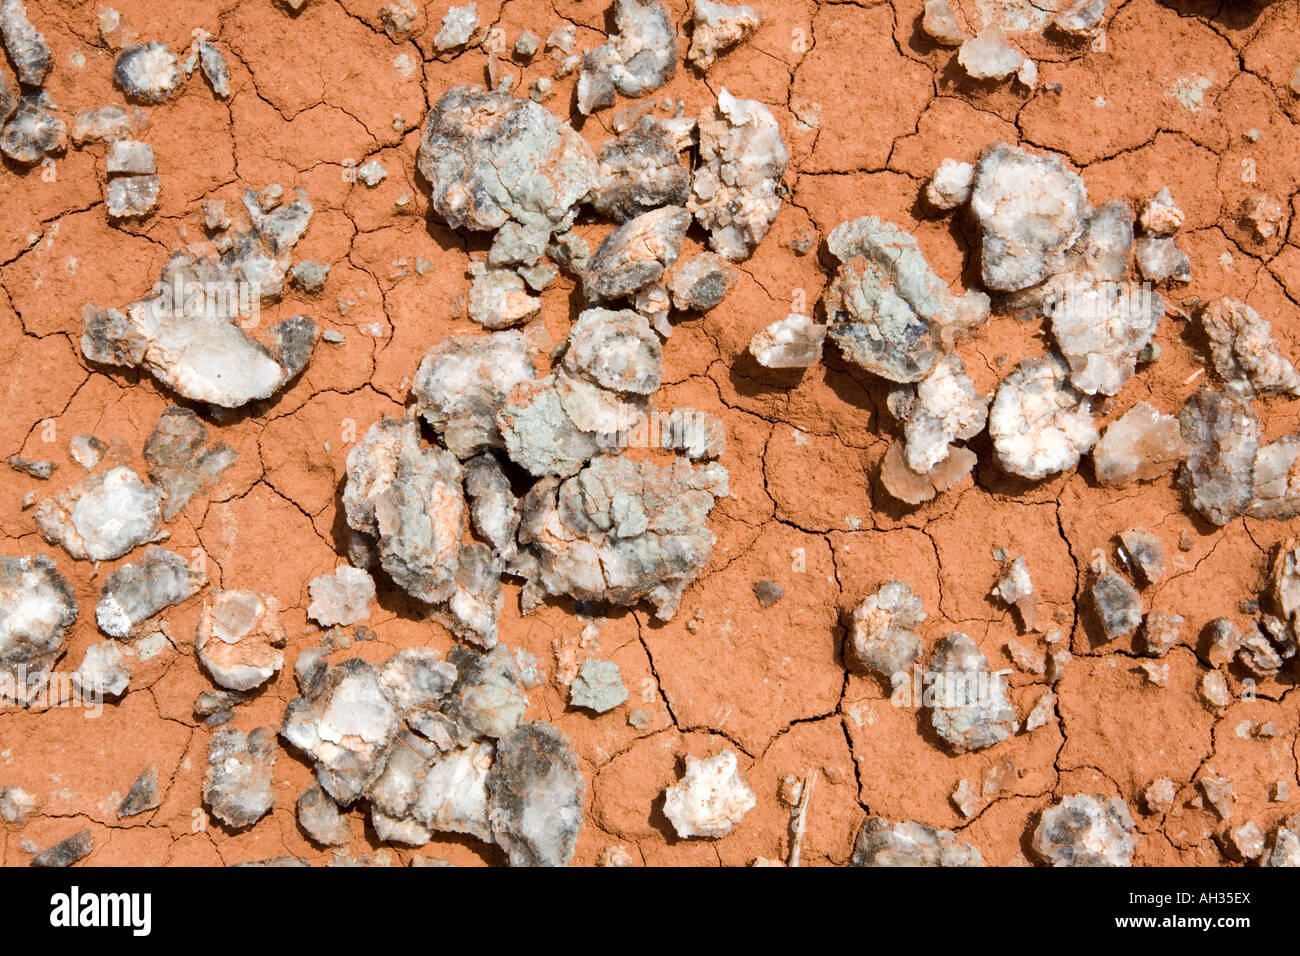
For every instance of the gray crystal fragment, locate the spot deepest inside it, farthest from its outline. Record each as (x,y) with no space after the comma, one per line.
(26,46)
(640,56)
(148,73)
(535,796)
(34,131)
(1244,353)
(68,851)
(622,531)
(617,351)
(320,819)
(640,171)
(240,638)
(1040,424)
(36,607)
(34,469)
(1159,258)
(971,709)
(1116,603)
(1100,327)
(940,23)
(737,188)
(1140,445)
(179,462)
(475,606)
(416,679)
(132,196)
(768,593)
(309,276)
(102,517)
(793,342)
(700,284)
(426,788)
(883,638)
(237,784)
(1223,434)
(493,507)
(492,159)
(1144,553)
(103,673)
(497,298)
(142,796)
(137,591)
(881,843)
(213,64)
(717,28)
(129,156)
(107,337)
(462,383)
(346,726)
(1030,212)
(106,124)
(1086,830)
(1083,19)
(408,497)
(458,26)
(598,686)
(887,311)
(635,254)
(487,699)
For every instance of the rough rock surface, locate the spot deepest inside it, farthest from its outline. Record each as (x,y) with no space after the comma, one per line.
(1086,830)
(1245,356)
(717,28)
(883,636)
(1222,434)
(237,784)
(1139,445)
(641,56)
(137,591)
(971,709)
(1039,423)
(710,798)
(881,843)
(641,171)
(240,638)
(102,517)
(535,796)
(37,606)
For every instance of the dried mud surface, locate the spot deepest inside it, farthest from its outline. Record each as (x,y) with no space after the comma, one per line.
(868,108)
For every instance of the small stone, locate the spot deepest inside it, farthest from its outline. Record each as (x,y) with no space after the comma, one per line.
(458,26)
(1083,20)
(883,637)
(1015,589)
(1214,690)
(1143,552)
(237,784)
(598,686)
(768,592)
(1161,216)
(1243,351)
(1265,216)
(1247,841)
(214,215)
(951,184)
(527,45)
(535,796)
(34,131)
(718,28)
(640,56)
(1043,712)
(16,805)
(1222,434)
(497,299)
(131,197)
(129,156)
(372,174)
(701,283)
(342,597)
(910,844)
(940,23)
(1140,445)
(68,851)
(710,798)
(1219,792)
(1086,830)
(793,342)
(320,819)
(142,796)
(26,46)
(971,710)
(1040,424)
(103,673)
(239,638)
(34,469)
(988,56)
(1159,258)
(1116,604)
(1159,795)
(1223,641)
(148,73)
(400,19)
(1161,632)
(106,124)
(309,276)
(179,462)
(137,591)
(213,64)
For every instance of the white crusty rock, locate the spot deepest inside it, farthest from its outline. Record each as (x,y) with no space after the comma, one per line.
(1086,830)
(882,843)
(1116,604)
(104,672)
(103,516)
(407,497)
(131,197)
(640,56)
(635,254)
(535,796)
(887,311)
(1159,258)
(971,710)
(1161,216)
(1276,479)
(616,351)
(940,23)
(26,46)
(37,606)
(341,598)
(237,784)
(988,55)
(884,638)
(717,28)
(1222,434)
(622,531)
(1139,445)
(239,639)
(425,788)
(463,381)
(34,131)
(212,62)
(737,189)
(793,342)
(1030,211)
(950,186)
(148,73)
(1015,589)
(137,591)
(640,171)
(1083,19)
(487,699)
(710,798)
(345,726)
(937,411)
(498,299)
(539,433)
(1244,353)
(1040,424)
(499,162)
(701,283)
(320,819)
(458,26)
(180,460)
(1100,327)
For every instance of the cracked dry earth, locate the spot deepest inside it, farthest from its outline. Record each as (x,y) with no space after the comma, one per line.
(1196,97)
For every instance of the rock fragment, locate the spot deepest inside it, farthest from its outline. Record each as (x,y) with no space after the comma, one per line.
(940,409)
(1144,553)
(213,64)
(718,28)
(1159,259)
(103,673)
(1161,631)
(1086,830)
(497,298)
(882,843)
(1140,445)
(102,517)
(737,189)
(1265,216)
(237,784)
(1116,604)
(710,798)
(1040,424)
(137,591)
(913,487)
(320,819)
(1161,216)
(36,608)
(640,56)
(34,131)
(1222,433)
(884,638)
(148,73)
(106,124)
(598,686)
(67,851)
(641,171)
(341,598)
(1015,589)
(988,55)
(971,710)
(179,462)
(1276,478)
(793,342)
(701,283)
(1082,20)
(940,23)
(1030,212)
(142,796)
(34,469)
(951,184)
(458,26)
(535,796)
(1243,351)
(16,804)
(131,197)
(635,254)
(26,46)
(239,639)
(1100,327)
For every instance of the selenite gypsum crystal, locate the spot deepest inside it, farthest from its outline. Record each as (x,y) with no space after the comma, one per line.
(640,56)
(1086,830)
(37,606)
(102,517)
(240,638)
(1040,424)
(710,798)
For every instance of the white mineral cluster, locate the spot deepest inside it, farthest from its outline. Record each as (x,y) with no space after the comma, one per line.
(710,798)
